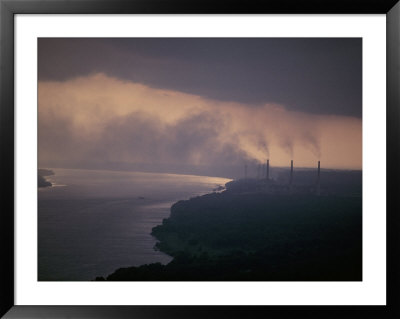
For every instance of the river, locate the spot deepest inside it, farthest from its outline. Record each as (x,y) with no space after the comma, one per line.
(92,222)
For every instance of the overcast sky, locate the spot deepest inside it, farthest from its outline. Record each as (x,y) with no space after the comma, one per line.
(200,101)
(317,75)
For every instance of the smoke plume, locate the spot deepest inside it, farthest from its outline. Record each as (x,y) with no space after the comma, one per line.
(99,119)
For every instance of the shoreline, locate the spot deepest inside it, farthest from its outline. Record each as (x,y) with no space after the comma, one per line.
(255,235)
(258,229)
(42,181)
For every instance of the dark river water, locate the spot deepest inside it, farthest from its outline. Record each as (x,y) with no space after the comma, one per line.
(91,223)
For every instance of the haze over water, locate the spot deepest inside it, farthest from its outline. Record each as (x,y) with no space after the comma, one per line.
(94,222)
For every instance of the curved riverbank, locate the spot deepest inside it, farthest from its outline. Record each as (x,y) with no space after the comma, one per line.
(258,236)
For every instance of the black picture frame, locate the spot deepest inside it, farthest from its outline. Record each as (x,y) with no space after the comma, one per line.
(9,8)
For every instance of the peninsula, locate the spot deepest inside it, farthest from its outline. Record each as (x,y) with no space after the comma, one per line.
(42,182)
(257,230)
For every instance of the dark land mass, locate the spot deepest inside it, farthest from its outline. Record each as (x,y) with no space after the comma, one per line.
(42,182)
(263,230)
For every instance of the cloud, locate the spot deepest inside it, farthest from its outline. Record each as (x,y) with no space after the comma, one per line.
(314,75)
(99,119)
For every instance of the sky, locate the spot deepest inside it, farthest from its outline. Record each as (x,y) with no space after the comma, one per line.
(199,105)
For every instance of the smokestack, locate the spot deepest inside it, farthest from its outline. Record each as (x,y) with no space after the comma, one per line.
(291,172)
(318,179)
(267,170)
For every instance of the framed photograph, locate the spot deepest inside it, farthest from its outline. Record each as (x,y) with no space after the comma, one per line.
(168,159)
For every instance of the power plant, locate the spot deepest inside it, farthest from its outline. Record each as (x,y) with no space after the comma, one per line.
(281,181)
(318,179)
(291,174)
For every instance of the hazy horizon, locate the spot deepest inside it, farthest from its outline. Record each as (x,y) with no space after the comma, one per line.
(199,106)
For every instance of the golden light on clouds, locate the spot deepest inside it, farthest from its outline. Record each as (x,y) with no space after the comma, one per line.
(103,118)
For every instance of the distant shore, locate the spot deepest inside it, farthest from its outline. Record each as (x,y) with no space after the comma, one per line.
(42,181)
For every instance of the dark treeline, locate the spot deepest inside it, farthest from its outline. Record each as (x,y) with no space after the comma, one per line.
(259,236)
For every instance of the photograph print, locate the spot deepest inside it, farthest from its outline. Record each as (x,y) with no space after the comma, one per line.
(199,159)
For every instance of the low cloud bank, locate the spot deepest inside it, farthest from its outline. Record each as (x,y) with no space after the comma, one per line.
(97,119)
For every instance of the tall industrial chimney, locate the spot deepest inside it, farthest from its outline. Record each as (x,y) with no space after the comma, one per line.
(318,179)
(291,173)
(267,174)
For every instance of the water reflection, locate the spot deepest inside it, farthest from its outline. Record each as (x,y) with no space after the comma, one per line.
(101,220)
